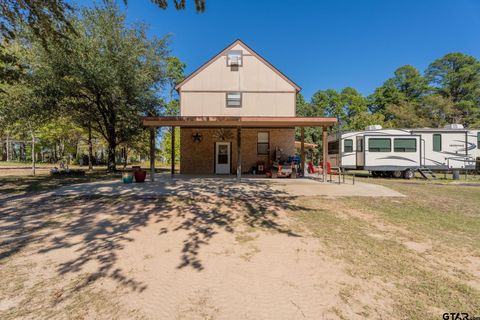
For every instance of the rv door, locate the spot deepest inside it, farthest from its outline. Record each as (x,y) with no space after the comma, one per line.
(360,152)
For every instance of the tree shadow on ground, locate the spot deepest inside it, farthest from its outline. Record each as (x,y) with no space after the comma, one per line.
(98,227)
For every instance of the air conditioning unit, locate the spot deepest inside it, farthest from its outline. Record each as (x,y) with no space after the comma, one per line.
(373,127)
(454,126)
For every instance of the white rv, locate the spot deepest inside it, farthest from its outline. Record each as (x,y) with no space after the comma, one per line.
(401,152)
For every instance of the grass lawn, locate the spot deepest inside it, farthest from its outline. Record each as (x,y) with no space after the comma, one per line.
(243,256)
(43,182)
(423,249)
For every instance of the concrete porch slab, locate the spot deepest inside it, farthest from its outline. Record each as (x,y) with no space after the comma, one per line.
(194,185)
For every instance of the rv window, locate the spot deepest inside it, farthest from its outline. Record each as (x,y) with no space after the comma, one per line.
(359,145)
(348,145)
(405,145)
(379,145)
(478,140)
(333,147)
(437,142)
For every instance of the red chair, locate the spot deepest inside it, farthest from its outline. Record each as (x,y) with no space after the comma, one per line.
(329,166)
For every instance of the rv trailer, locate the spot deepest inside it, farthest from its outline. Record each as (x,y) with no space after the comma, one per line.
(401,152)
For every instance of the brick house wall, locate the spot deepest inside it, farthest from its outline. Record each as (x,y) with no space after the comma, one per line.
(199,157)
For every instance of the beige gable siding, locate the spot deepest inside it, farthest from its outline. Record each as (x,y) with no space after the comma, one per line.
(253,104)
(264,91)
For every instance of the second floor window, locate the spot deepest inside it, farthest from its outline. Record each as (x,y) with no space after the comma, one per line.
(234,99)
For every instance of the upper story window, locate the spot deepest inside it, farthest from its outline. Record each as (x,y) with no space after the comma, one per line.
(234,99)
(234,58)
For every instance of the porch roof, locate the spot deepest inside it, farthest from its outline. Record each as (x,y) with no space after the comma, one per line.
(235,121)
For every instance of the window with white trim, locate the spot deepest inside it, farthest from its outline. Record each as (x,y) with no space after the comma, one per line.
(234,99)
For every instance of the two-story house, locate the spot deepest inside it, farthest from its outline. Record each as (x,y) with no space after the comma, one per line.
(236,110)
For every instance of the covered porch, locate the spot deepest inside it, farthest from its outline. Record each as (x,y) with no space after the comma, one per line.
(238,124)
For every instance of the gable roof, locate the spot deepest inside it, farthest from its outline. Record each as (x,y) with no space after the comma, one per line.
(240,42)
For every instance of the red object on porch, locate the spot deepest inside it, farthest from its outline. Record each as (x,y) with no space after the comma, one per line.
(329,166)
(260,167)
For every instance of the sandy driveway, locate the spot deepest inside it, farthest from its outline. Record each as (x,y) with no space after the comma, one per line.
(207,257)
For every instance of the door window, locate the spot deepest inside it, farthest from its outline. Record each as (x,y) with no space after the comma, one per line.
(222,154)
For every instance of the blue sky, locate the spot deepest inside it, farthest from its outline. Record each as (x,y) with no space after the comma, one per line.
(321,44)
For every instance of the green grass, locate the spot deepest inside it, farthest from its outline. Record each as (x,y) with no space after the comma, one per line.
(27,184)
(442,177)
(371,236)
(22,164)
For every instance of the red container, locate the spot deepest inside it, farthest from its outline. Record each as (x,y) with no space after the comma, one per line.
(140,175)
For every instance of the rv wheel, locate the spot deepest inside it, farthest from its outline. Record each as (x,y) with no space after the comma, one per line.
(397,174)
(375,174)
(408,174)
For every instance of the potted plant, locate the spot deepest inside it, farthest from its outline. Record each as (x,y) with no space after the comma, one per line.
(140,175)
(127,177)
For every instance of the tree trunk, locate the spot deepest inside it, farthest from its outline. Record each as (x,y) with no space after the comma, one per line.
(90,148)
(23,152)
(112,145)
(8,147)
(125,157)
(33,154)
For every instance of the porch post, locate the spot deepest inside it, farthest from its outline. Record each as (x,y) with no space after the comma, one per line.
(302,151)
(239,153)
(325,153)
(152,154)
(173,151)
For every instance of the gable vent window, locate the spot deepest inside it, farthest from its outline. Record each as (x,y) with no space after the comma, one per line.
(234,58)
(234,99)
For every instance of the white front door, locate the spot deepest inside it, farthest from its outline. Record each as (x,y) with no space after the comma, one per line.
(222,157)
